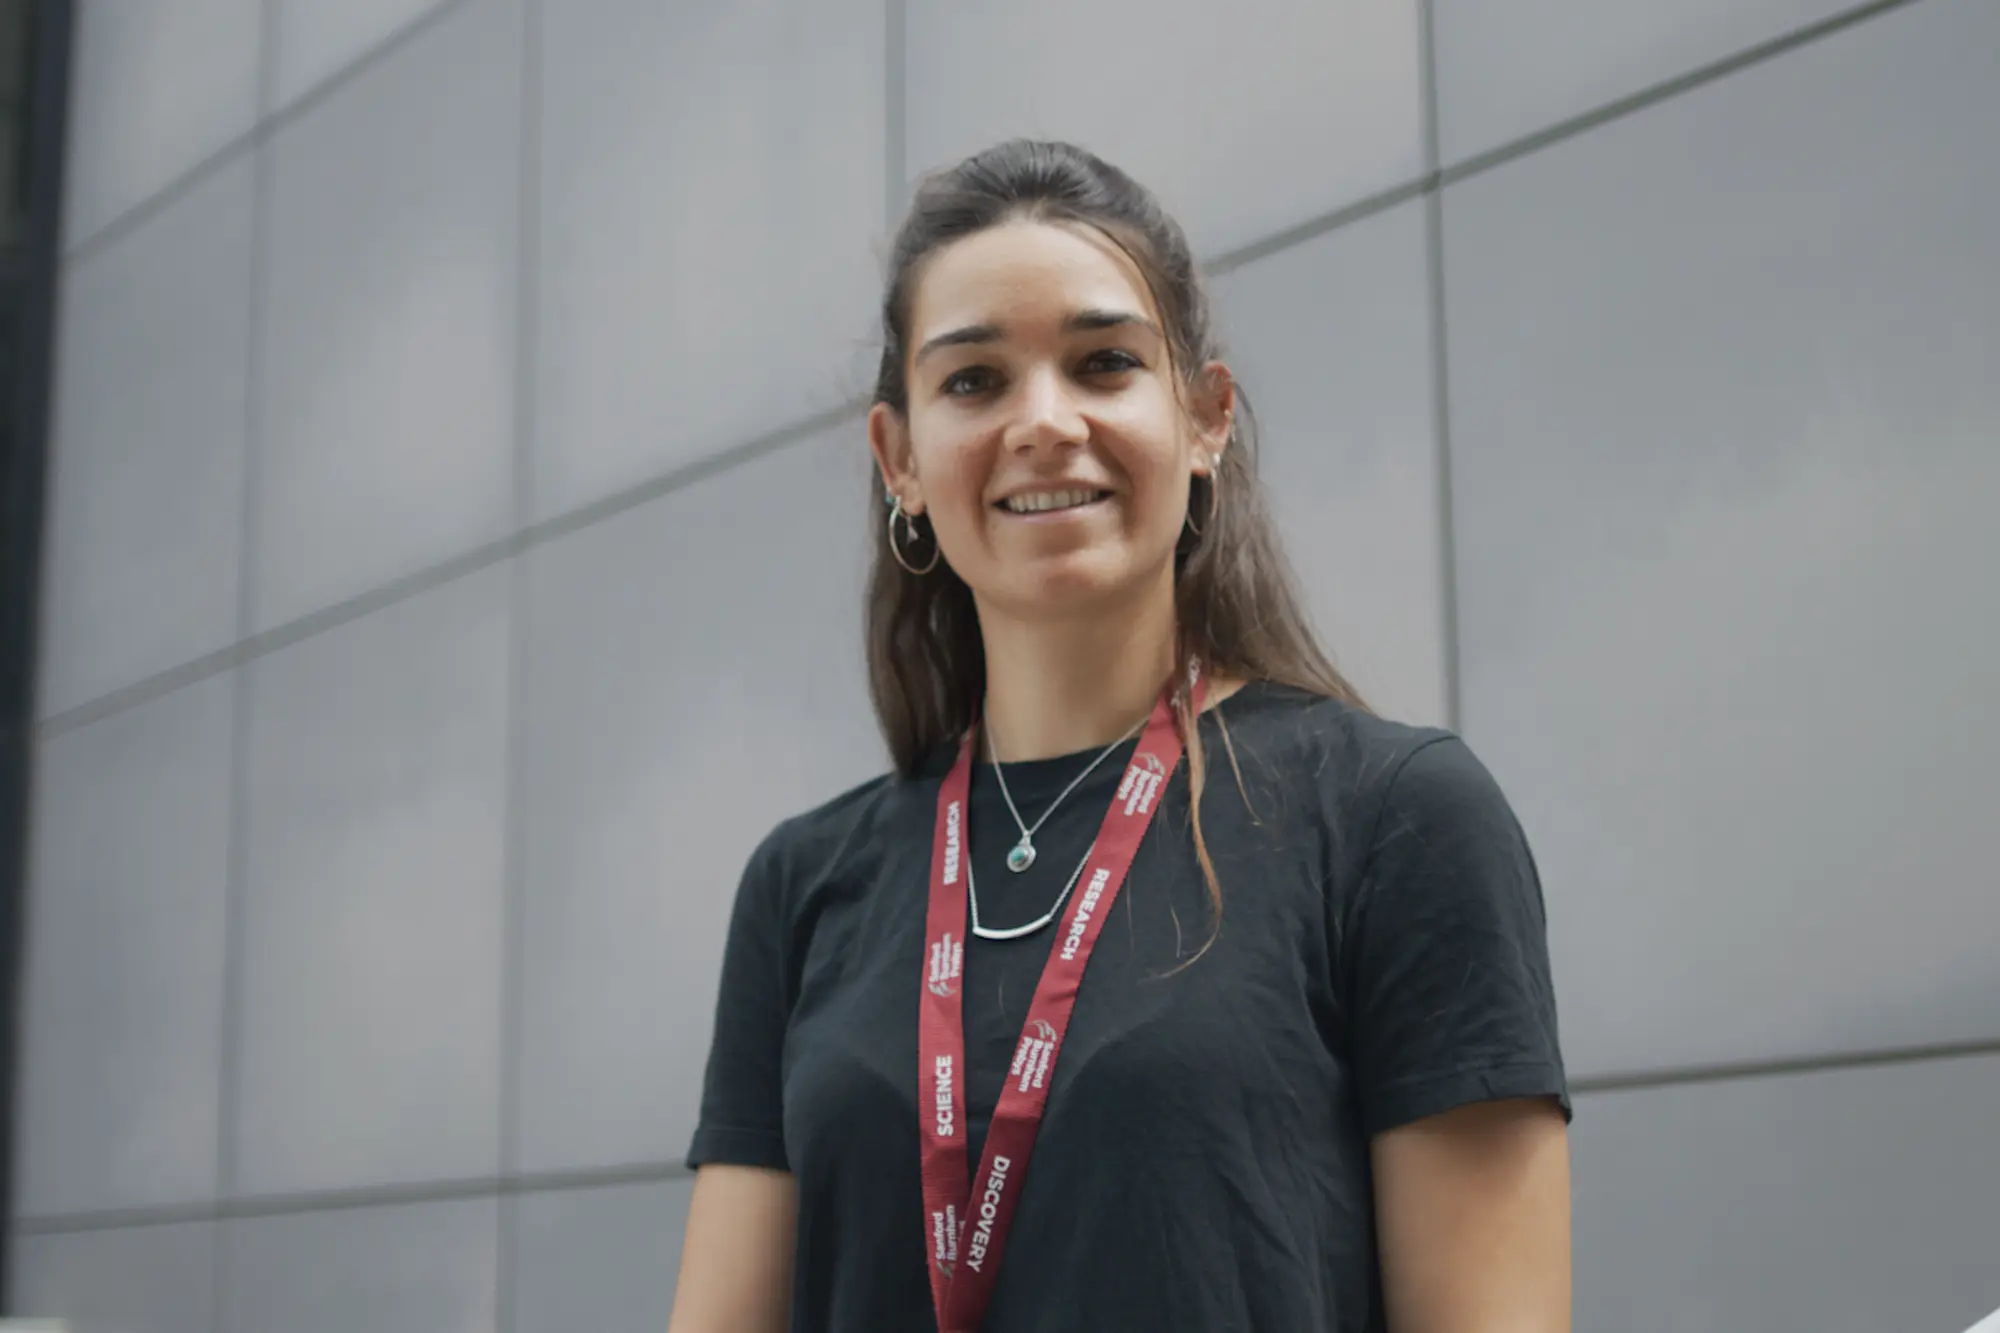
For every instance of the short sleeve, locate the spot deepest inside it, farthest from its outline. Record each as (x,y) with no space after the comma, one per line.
(1445,950)
(742,1101)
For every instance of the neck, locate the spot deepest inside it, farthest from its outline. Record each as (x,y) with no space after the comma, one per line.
(1055,687)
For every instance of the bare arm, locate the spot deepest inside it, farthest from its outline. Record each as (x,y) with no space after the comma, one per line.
(1472,1211)
(736,1267)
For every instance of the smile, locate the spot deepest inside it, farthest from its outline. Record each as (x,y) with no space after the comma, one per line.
(1044,502)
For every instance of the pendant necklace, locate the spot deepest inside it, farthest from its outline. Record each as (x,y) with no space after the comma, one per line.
(1022,854)
(1016,932)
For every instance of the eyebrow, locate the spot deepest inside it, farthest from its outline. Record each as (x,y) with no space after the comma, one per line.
(1083,321)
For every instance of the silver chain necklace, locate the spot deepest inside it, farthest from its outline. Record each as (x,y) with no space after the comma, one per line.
(1016,932)
(1022,854)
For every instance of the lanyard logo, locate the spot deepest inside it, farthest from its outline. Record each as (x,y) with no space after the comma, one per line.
(1142,783)
(944,1239)
(947,960)
(1035,1054)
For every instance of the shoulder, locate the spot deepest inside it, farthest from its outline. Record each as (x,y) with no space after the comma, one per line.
(807,844)
(1371,775)
(1324,741)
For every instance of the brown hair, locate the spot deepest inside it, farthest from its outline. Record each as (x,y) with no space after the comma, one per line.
(1237,612)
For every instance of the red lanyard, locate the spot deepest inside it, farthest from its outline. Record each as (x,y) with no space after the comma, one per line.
(968,1227)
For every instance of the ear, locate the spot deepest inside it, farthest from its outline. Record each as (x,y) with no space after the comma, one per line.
(1213,405)
(889,441)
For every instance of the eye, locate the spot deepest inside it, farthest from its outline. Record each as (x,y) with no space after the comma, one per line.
(1111,361)
(967,382)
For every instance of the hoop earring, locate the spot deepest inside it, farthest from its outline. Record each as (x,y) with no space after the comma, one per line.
(1214,479)
(910,532)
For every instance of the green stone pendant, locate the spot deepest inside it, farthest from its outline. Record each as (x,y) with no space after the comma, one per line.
(1021,856)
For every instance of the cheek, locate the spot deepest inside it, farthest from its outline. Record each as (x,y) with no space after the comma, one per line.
(954,478)
(1165,506)
(1156,466)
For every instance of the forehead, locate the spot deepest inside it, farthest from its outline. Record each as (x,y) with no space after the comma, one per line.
(1021,271)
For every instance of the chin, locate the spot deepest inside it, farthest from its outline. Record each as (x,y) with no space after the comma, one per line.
(1079,582)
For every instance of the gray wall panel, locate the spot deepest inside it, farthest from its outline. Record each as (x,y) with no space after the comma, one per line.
(121,1018)
(413,1268)
(1331,341)
(1245,120)
(1506,68)
(158,87)
(1723,406)
(386,412)
(311,40)
(712,190)
(1851,1201)
(369,1027)
(146,1279)
(147,457)
(694,676)
(605,1259)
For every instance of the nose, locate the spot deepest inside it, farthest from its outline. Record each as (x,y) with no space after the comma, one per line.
(1046,414)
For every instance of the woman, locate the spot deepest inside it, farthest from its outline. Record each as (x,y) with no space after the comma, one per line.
(1310,1079)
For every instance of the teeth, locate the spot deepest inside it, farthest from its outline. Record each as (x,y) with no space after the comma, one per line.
(1046,500)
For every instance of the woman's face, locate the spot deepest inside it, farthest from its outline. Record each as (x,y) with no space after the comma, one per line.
(1047,439)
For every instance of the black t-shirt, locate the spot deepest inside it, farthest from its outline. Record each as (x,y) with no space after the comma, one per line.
(1203,1163)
